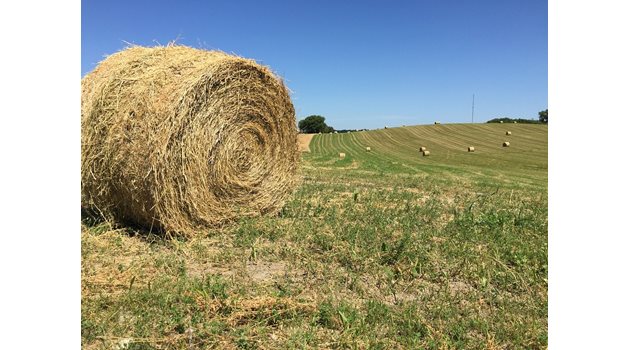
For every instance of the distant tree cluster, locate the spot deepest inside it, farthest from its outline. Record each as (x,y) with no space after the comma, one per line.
(542,118)
(314,124)
(512,120)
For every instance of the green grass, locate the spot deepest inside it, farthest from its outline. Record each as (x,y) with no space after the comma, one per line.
(383,249)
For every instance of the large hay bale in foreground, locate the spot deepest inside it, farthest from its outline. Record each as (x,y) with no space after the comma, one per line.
(182,139)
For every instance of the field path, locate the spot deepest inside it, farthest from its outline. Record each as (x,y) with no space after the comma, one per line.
(304,140)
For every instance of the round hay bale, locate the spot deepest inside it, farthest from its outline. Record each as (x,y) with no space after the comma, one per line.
(515,122)
(471,149)
(506,144)
(342,155)
(369,149)
(436,123)
(425,153)
(501,122)
(422,149)
(508,133)
(183,139)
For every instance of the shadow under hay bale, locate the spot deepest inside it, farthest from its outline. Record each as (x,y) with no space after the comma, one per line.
(181,139)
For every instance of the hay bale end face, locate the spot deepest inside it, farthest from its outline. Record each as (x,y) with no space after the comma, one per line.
(342,155)
(369,149)
(181,139)
(471,149)
(422,149)
(506,144)
(508,133)
(426,153)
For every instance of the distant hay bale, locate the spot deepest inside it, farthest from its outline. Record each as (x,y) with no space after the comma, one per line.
(422,149)
(368,149)
(342,155)
(471,149)
(425,153)
(506,144)
(515,122)
(508,133)
(501,122)
(182,139)
(436,123)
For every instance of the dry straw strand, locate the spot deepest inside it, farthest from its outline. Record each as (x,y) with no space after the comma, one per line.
(183,139)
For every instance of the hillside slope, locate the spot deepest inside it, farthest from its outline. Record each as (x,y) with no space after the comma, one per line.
(396,150)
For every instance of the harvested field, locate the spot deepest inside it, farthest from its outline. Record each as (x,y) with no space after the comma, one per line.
(384,249)
(304,140)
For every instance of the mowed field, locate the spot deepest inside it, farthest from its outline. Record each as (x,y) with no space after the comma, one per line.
(384,249)
(523,163)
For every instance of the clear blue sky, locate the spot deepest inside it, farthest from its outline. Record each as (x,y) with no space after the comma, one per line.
(360,64)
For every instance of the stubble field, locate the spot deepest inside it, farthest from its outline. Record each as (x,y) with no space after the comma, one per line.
(381,249)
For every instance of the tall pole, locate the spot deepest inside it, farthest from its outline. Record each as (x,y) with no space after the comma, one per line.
(473,109)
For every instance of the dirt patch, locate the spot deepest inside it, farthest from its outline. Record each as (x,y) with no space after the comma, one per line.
(265,271)
(304,140)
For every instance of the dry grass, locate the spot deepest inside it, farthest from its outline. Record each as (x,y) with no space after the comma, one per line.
(181,139)
(303,141)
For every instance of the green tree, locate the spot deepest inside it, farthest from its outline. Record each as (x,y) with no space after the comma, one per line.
(314,124)
(543,116)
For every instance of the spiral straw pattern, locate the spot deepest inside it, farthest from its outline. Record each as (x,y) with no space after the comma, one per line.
(181,139)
